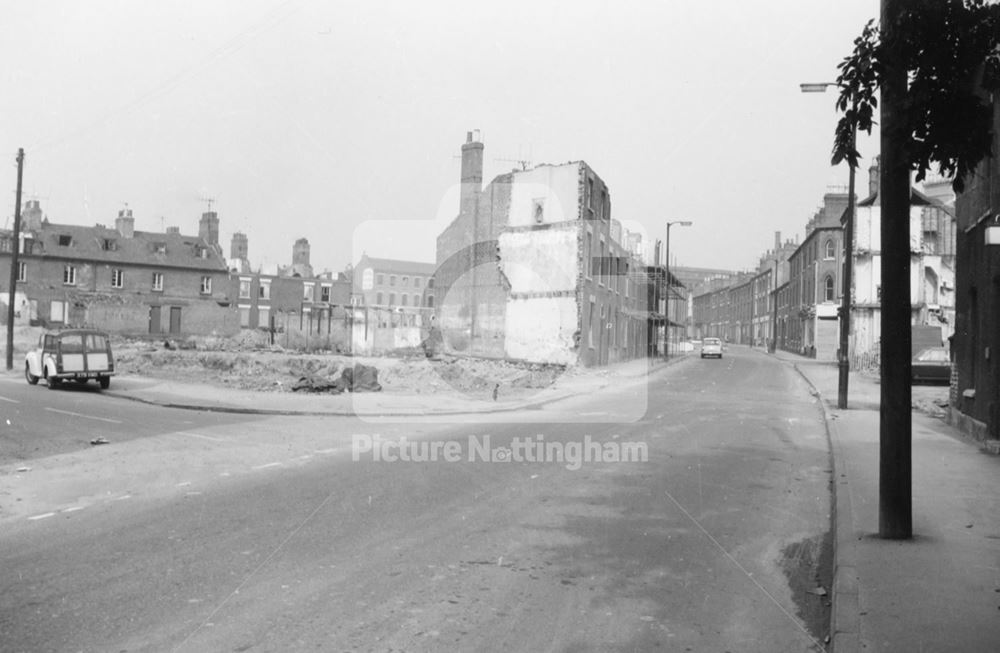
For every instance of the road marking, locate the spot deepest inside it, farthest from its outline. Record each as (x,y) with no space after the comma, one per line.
(74,508)
(13,401)
(68,412)
(185,483)
(327,450)
(123,497)
(199,435)
(41,516)
(266,466)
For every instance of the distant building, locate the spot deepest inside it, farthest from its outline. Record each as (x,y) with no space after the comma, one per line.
(290,297)
(121,279)
(932,264)
(393,283)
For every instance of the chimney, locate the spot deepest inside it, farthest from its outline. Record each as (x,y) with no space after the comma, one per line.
(125,223)
(239,246)
(472,172)
(300,258)
(873,176)
(777,240)
(31,217)
(174,230)
(208,228)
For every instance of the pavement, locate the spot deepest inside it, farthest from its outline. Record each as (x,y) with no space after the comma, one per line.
(448,402)
(940,590)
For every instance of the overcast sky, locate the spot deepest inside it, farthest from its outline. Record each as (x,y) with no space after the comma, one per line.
(342,122)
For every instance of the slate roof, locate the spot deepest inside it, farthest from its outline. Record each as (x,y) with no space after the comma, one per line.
(173,250)
(396,266)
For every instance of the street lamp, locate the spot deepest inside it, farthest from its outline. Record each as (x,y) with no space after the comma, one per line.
(666,304)
(843,363)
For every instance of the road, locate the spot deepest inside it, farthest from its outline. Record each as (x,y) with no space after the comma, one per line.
(711,544)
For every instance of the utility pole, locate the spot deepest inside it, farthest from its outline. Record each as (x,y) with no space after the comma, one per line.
(895,467)
(15,247)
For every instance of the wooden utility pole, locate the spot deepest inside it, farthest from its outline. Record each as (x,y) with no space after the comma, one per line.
(895,468)
(15,249)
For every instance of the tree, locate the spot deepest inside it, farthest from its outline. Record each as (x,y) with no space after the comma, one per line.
(934,63)
(949,51)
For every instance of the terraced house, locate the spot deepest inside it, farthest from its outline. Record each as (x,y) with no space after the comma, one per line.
(534,269)
(120,279)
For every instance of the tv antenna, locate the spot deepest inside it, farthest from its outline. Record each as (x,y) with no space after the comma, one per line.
(521,160)
(210,200)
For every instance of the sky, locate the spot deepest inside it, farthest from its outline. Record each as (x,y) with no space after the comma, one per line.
(342,122)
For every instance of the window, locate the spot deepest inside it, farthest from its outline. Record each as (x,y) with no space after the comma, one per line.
(380,279)
(403,299)
(378,299)
(392,279)
(69,275)
(392,298)
(828,289)
(117,278)
(430,282)
(244,288)
(109,244)
(324,294)
(307,291)
(831,249)
(206,285)
(416,282)
(22,271)
(157,281)
(406,280)
(430,301)
(264,291)
(201,252)
(538,210)
(159,248)
(65,240)
(264,317)
(5,244)
(244,315)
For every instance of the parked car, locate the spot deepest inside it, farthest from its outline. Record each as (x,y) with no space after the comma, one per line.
(711,347)
(931,365)
(74,354)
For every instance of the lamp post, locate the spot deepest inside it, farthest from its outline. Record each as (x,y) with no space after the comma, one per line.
(667,293)
(843,362)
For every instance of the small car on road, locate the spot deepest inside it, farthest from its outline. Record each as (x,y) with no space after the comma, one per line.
(74,354)
(931,365)
(711,347)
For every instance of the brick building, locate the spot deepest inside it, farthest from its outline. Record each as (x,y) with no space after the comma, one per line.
(393,283)
(975,388)
(533,268)
(292,298)
(809,311)
(120,279)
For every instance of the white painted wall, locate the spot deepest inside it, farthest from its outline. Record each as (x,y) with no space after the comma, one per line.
(557,187)
(542,330)
(540,261)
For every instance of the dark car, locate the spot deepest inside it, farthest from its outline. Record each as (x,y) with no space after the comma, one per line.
(932,365)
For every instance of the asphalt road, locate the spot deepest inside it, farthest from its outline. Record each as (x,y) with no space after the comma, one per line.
(711,544)
(37,422)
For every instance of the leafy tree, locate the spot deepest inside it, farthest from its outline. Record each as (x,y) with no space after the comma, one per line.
(950,53)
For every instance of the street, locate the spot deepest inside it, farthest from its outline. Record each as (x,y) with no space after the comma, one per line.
(266,534)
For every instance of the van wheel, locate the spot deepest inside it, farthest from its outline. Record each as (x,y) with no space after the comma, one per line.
(105,382)
(31,378)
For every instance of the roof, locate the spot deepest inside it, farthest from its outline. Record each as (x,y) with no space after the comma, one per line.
(397,266)
(100,243)
(917,198)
